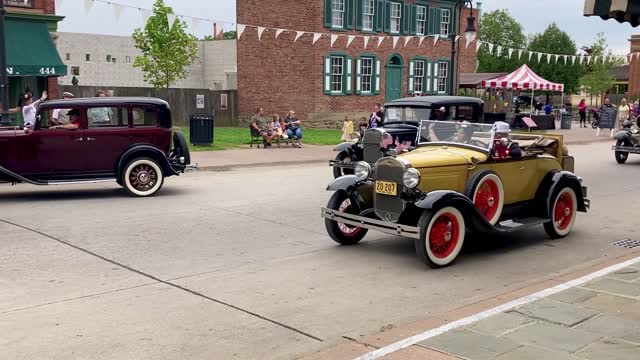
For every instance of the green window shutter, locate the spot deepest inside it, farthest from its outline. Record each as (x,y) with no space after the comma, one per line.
(428,76)
(327,13)
(449,81)
(326,89)
(414,14)
(347,78)
(431,21)
(438,20)
(379,16)
(359,11)
(406,18)
(348,13)
(376,77)
(412,70)
(387,17)
(358,77)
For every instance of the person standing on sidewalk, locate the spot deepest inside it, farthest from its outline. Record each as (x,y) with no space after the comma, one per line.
(624,111)
(582,111)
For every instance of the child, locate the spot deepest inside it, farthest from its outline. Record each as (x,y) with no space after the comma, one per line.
(347,129)
(283,128)
(363,126)
(275,124)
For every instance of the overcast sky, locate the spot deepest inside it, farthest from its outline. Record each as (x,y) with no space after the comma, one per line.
(534,16)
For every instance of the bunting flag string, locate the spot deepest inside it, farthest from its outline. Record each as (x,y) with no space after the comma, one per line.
(407,39)
(435,39)
(171,19)
(298,34)
(395,41)
(422,39)
(278,32)
(87,6)
(366,41)
(380,40)
(117,11)
(350,40)
(478,44)
(260,31)
(333,39)
(510,53)
(316,37)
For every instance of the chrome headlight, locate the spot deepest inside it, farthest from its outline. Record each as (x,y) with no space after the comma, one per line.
(635,129)
(411,178)
(362,170)
(355,138)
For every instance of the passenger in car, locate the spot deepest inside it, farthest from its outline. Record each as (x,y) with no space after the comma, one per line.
(503,146)
(74,121)
(29,108)
(100,116)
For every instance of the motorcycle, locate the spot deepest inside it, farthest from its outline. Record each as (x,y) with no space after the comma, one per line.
(627,141)
(595,113)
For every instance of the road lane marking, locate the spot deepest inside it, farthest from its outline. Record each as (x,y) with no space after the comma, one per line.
(386,350)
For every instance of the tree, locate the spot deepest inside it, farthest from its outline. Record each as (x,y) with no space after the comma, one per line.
(498,27)
(597,80)
(555,41)
(208,38)
(230,35)
(166,50)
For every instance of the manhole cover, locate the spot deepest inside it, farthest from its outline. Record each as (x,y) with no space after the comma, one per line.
(627,243)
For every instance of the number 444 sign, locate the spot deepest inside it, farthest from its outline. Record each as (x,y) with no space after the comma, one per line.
(48,71)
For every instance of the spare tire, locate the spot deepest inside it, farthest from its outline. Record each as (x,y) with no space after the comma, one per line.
(180,147)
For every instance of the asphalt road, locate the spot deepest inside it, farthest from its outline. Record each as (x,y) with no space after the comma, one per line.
(237,265)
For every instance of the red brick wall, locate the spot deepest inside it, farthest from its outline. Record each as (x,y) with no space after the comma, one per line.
(46,6)
(634,67)
(278,75)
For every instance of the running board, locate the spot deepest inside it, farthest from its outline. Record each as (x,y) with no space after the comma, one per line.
(517,224)
(75,182)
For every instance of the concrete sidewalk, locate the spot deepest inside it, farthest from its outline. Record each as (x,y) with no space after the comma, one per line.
(274,156)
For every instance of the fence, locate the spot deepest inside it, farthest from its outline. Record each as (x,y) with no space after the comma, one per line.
(222,103)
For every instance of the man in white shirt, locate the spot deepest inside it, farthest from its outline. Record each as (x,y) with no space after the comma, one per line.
(30,108)
(59,116)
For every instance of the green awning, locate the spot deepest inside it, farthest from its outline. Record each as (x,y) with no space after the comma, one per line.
(30,49)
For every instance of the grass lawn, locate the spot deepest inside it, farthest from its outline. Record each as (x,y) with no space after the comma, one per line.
(225,138)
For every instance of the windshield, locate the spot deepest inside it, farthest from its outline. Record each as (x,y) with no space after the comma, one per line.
(456,132)
(406,113)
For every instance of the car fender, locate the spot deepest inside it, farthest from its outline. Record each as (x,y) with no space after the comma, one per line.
(436,200)
(622,135)
(345,182)
(551,185)
(345,146)
(142,150)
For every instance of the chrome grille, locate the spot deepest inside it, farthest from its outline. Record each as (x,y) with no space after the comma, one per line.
(387,207)
(371,146)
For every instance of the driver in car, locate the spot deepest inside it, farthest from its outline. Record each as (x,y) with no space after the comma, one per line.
(74,121)
(503,147)
(463,136)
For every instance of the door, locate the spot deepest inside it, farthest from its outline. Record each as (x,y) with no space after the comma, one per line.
(393,82)
(53,154)
(106,138)
(515,175)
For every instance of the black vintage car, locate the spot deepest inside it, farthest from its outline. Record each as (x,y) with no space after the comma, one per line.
(401,120)
(627,141)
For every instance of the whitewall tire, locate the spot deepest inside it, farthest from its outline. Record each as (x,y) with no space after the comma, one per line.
(441,236)
(142,177)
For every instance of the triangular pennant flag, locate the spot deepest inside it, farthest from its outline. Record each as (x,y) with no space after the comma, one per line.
(498,50)
(573,60)
(467,42)
(604,58)
(478,44)
(366,41)
(435,39)
(395,41)
(350,39)
(457,38)
(220,33)
(424,37)
(278,32)
(520,53)
(333,39)
(87,6)
(581,59)
(298,34)
(539,56)
(565,59)
(510,53)
(261,29)
(588,60)
(117,10)
(240,29)
(316,37)
(407,39)
(380,40)
(549,58)
(637,55)
(171,19)
(530,54)
(491,48)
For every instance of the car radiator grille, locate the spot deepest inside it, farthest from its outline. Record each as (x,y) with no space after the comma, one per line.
(388,207)
(371,146)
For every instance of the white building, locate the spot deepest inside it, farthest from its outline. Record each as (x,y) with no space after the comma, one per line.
(105,60)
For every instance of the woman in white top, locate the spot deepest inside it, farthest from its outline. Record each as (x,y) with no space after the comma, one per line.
(30,107)
(623,113)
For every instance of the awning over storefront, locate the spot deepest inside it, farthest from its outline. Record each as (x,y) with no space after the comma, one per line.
(621,10)
(30,49)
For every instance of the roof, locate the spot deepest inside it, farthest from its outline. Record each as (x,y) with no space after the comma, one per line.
(435,100)
(473,80)
(620,10)
(522,78)
(105,101)
(620,73)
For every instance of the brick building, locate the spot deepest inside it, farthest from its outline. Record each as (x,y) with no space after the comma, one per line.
(323,82)
(32,59)
(634,67)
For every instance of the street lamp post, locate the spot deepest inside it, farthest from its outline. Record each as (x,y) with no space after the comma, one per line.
(469,34)
(4,79)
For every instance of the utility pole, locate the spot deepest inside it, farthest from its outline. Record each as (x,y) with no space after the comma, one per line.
(4,79)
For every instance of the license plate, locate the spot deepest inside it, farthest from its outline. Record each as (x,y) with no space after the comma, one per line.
(386,188)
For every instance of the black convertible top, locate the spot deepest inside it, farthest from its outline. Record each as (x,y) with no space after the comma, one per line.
(431,101)
(105,101)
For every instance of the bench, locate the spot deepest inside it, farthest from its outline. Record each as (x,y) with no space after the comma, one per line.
(257,139)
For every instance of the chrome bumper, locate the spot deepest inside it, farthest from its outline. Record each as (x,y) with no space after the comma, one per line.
(587,202)
(372,224)
(629,149)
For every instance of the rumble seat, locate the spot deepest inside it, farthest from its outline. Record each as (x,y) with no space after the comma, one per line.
(533,145)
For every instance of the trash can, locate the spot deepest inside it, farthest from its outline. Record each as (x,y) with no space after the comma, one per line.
(201,129)
(565,121)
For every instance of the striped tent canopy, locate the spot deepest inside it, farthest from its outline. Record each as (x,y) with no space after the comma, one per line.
(621,10)
(523,78)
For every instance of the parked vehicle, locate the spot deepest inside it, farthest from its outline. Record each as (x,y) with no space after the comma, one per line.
(438,191)
(627,141)
(123,139)
(401,121)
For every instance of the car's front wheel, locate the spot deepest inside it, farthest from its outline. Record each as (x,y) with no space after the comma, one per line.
(621,156)
(142,177)
(563,214)
(344,158)
(441,236)
(342,233)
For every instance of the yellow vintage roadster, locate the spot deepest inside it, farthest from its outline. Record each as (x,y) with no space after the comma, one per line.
(456,181)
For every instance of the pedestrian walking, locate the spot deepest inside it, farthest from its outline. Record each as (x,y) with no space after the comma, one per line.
(582,111)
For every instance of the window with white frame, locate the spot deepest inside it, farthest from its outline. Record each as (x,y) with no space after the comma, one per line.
(337,73)
(366,75)
(337,11)
(445,21)
(418,76)
(368,11)
(421,20)
(396,17)
(443,74)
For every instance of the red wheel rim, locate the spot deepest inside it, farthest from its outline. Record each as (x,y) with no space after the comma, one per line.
(347,230)
(488,198)
(444,235)
(563,212)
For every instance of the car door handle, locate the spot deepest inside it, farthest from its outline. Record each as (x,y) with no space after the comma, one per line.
(522,168)
(78,139)
(90,139)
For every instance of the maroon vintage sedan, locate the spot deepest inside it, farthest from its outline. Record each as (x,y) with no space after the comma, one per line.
(129,140)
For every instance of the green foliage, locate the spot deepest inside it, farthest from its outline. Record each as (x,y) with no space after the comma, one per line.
(230,35)
(598,80)
(208,38)
(166,51)
(555,41)
(498,27)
